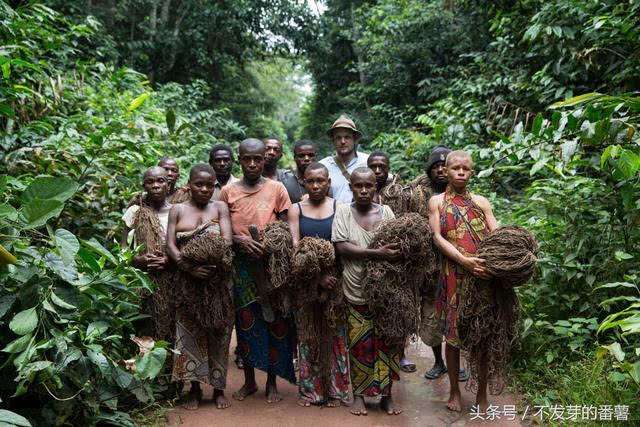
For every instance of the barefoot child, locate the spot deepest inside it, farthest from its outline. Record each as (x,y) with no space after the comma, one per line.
(313,217)
(203,351)
(459,220)
(374,362)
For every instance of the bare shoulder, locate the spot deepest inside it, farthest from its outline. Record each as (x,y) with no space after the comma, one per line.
(436,200)
(221,206)
(481,201)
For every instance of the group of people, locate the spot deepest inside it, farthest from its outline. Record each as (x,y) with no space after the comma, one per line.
(343,199)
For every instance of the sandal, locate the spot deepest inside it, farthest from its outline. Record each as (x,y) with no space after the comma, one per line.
(407,365)
(436,372)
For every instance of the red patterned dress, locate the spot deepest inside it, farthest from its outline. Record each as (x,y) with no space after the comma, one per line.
(463,224)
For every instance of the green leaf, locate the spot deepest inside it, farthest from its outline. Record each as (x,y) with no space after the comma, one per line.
(485,172)
(622,255)
(89,260)
(537,124)
(150,365)
(615,350)
(47,187)
(538,165)
(67,245)
(18,345)
(61,303)
(576,100)
(170,118)
(7,111)
(8,212)
(611,152)
(97,328)
(24,322)
(568,149)
(136,103)
(5,304)
(13,419)
(66,271)
(617,285)
(100,361)
(36,213)
(100,250)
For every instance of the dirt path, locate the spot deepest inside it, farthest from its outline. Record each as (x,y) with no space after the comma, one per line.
(423,402)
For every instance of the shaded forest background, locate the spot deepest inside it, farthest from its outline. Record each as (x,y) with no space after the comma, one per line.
(544,93)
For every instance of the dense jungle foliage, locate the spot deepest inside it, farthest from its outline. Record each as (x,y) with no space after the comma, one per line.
(545,95)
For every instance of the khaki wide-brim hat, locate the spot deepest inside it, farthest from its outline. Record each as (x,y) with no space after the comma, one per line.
(346,123)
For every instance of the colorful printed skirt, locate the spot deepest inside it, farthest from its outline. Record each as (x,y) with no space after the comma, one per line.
(311,384)
(375,364)
(203,354)
(268,346)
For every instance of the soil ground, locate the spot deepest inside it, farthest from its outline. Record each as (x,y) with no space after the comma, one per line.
(423,403)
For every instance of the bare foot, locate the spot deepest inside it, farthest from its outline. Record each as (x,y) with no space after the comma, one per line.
(388,406)
(192,399)
(245,390)
(358,407)
(272,394)
(333,403)
(482,403)
(455,401)
(220,399)
(303,402)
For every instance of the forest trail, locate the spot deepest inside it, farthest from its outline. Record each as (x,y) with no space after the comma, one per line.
(423,403)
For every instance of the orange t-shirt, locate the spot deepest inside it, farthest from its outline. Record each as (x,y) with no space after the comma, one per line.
(259,206)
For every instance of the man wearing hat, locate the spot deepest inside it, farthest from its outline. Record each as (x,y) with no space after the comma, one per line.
(344,135)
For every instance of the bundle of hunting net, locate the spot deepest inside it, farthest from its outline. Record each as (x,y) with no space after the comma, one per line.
(181,195)
(394,196)
(210,299)
(278,248)
(511,254)
(159,305)
(488,329)
(392,289)
(418,192)
(320,311)
(313,259)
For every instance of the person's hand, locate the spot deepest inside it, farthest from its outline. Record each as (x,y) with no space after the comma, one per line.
(476,266)
(250,246)
(203,271)
(158,262)
(145,261)
(328,282)
(390,252)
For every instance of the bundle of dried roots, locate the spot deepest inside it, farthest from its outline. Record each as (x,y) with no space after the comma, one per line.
(489,309)
(181,195)
(320,311)
(392,289)
(159,305)
(511,254)
(210,299)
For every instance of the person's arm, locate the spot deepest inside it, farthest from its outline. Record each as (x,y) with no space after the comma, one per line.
(485,205)
(172,247)
(283,203)
(473,264)
(225,221)
(294,224)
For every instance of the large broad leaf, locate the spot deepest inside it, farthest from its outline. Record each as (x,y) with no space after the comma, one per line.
(95,329)
(66,271)
(36,213)
(5,304)
(18,345)
(61,303)
(24,322)
(48,187)
(67,245)
(136,103)
(8,212)
(576,100)
(100,250)
(12,419)
(151,363)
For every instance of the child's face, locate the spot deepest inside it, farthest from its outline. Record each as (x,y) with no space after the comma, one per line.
(459,171)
